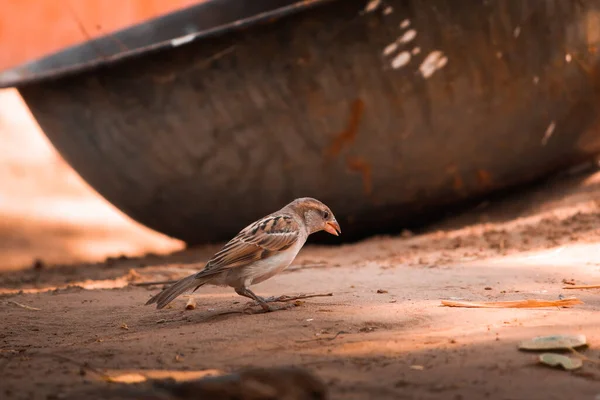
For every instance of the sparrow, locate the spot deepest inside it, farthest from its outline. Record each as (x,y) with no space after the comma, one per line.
(258,252)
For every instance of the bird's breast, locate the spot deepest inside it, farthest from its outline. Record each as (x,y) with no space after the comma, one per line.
(264,269)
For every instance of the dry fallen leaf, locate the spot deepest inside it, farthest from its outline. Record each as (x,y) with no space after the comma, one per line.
(531,303)
(417,367)
(553,342)
(191,304)
(559,360)
(124,326)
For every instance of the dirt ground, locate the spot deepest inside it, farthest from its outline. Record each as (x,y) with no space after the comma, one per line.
(383,334)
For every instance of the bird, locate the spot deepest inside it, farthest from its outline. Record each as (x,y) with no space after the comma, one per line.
(258,252)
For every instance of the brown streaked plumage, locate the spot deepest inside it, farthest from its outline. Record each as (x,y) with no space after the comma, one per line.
(260,251)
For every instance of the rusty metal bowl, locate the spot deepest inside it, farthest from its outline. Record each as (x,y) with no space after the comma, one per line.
(386,111)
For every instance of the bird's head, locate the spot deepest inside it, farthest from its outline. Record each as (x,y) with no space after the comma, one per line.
(316,215)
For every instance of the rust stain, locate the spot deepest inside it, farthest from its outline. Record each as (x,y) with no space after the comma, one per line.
(457,183)
(348,135)
(484,177)
(360,165)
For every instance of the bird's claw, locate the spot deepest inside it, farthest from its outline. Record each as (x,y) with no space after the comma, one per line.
(273,299)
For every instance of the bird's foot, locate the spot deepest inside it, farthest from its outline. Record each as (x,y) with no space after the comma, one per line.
(277,299)
(263,302)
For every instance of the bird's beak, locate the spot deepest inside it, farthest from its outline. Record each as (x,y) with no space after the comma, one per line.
(333,227)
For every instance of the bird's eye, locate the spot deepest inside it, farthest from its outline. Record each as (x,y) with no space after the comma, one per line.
(326,214)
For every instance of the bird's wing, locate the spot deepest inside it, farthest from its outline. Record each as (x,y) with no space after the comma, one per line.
(257,241)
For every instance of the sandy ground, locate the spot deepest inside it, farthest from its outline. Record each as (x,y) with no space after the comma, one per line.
(383,334)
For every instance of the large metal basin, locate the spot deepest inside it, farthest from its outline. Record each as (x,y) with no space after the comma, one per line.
(387,113)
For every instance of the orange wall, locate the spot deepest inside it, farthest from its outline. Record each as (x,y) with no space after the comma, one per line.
(30,29)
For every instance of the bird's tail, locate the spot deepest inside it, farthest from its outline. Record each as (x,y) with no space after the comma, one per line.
(181,286)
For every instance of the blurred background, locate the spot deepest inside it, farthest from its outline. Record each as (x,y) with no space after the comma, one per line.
(140,103)
(47,212)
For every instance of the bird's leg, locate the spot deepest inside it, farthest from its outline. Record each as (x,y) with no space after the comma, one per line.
(261,301)
(248,293)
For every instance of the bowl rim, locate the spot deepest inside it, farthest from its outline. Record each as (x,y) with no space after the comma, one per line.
(178,28)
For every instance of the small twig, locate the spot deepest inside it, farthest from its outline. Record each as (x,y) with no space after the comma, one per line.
(285,298)
(23,305)
(582,287)
(583,356)
(531,303)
